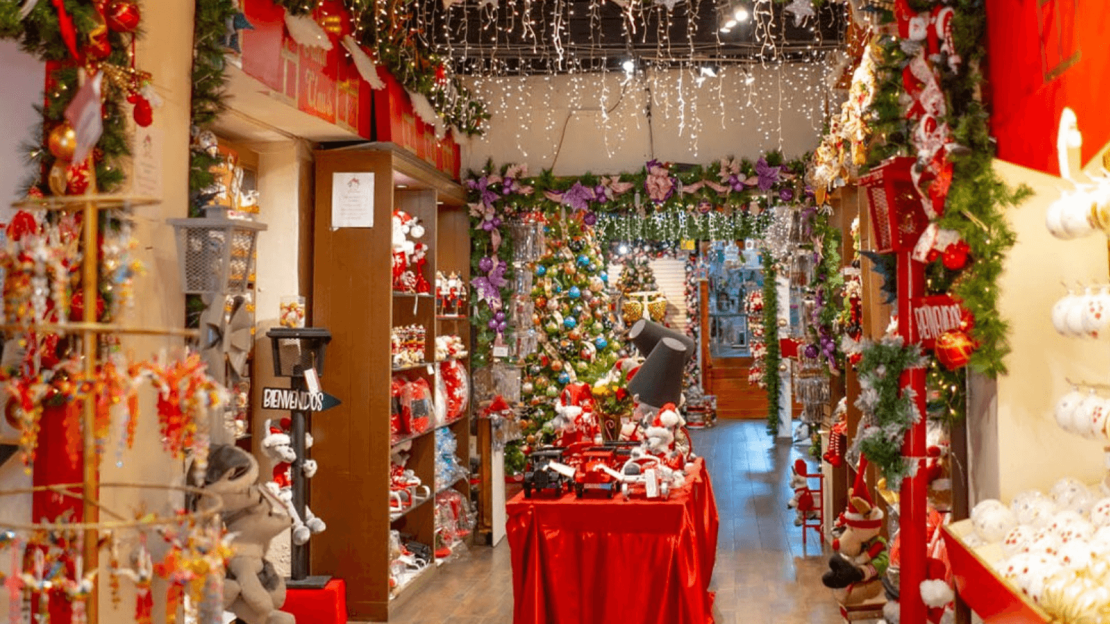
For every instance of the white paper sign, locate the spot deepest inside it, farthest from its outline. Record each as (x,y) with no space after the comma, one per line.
(352,200)
(147,162)
(312,381)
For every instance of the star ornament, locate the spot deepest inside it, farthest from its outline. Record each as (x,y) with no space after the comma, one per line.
(801,10)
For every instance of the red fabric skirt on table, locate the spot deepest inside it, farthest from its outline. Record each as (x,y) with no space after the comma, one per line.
(615,561)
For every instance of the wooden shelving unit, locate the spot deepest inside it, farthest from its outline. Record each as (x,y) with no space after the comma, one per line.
(353,297)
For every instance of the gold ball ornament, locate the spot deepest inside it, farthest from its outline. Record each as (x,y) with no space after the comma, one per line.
(557,366)
(57,178)
(62,142)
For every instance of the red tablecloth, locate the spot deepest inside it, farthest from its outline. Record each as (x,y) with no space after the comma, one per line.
(615,561)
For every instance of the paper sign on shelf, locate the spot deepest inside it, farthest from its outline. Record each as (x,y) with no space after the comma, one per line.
(352,200)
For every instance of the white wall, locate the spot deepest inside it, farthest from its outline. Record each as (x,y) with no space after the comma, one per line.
(22,78)
(723,116)
(1033,452)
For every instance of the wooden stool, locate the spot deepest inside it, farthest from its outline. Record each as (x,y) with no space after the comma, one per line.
(869,610)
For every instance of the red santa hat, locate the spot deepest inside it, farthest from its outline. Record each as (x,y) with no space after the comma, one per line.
(862,512)
(498,405)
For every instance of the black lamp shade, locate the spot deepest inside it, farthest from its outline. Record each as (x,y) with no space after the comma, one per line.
(297,350)
(645,335)
(659,380)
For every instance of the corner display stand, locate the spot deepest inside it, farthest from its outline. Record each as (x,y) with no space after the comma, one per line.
(353,297)
(295,351)
(86,494)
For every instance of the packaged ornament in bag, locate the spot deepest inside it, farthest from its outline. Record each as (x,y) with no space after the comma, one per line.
(416,405)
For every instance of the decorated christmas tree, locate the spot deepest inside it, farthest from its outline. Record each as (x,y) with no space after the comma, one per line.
(573,316)
(637,275)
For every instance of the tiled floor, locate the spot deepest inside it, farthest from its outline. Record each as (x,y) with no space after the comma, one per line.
(762,575)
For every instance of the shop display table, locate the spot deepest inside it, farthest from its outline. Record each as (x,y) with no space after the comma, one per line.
(597,560)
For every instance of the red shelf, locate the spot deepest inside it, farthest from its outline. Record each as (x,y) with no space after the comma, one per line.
(991,597)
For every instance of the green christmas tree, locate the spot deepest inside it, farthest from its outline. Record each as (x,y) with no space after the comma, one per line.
(574,319)
(637,275)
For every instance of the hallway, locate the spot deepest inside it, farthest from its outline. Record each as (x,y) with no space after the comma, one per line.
(761,577)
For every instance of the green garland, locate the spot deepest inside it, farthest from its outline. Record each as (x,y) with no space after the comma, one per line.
(771,362)
(977,199)
(40,36)
(408,58)
(888,412)
(826,287)
(209,96)
(703,213)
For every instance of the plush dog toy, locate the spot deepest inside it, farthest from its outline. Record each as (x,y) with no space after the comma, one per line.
(253,590)
(278,448)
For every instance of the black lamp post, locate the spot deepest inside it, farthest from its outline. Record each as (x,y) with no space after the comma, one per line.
(296,351)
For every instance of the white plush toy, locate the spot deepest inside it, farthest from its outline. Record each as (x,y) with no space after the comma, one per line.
(278,448)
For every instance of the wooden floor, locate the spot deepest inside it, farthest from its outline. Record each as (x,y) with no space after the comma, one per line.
(762,574)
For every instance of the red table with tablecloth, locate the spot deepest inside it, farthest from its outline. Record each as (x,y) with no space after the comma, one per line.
(615,561)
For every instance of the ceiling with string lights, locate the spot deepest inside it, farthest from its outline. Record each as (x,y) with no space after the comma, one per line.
(530,37)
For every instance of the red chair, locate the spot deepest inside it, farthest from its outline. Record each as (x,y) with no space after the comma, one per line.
(813,514)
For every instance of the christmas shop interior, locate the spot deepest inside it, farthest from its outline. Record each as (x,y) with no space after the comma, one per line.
(696,311)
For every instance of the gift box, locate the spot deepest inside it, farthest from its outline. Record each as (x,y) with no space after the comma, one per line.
(395,122)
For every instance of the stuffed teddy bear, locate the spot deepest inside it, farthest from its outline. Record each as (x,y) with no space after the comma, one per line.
(253,590)
(860,557)
(277,446)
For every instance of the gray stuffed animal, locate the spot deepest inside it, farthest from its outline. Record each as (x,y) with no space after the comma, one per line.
(253,591)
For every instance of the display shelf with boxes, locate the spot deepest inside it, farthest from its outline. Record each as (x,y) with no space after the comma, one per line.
(386,224)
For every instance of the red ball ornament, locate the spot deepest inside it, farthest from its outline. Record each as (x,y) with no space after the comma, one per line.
(954,349)
(122,15)
(955,256)
(143,113)
(77,178)
(441,73)
(967,320)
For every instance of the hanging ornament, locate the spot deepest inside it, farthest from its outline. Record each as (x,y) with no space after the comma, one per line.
(955,256)
(967,320)
(601,343)
(564,378)
(954,349)
(122,15)
(62,142)
(553,391)
(575,245)
(570,322)
(77,178)
(143,112)
(541,270)
(583,260)
(99,47)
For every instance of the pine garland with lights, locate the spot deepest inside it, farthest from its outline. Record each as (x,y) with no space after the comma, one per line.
(209,96)
(977,198)
(40,35)
(773,359)
(694,210)
(888,410)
